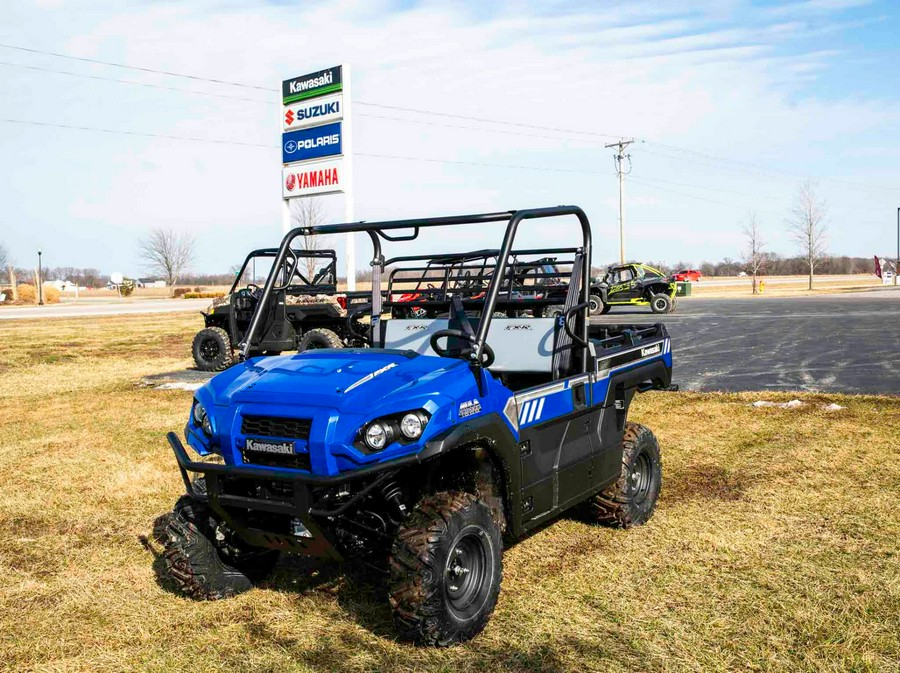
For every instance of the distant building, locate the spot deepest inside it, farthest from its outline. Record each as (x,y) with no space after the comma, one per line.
(150,282)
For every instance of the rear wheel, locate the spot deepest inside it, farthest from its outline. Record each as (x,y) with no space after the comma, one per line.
(205,559)
(212,350)
(554,311)
(446,569)
(660,303)
(631,501)
(320,337)
(674,304)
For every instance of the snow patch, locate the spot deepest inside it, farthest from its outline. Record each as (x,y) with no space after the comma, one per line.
(793,404)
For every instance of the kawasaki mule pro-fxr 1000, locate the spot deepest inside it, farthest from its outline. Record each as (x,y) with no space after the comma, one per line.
(423,454)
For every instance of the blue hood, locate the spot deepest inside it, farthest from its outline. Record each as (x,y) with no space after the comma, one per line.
(347,380)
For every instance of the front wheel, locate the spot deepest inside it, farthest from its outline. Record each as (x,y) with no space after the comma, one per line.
(205,560)
(445,570)
(212,350)
(661,303)
(596,304)
(631,501)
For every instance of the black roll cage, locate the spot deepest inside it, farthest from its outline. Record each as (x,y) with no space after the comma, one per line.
(378,231)
(298,255)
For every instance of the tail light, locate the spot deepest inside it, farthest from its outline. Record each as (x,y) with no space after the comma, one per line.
(341,300)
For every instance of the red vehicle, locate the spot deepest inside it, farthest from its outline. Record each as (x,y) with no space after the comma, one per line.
(687,274)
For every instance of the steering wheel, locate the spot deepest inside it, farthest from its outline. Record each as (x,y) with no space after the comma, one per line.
(487,353)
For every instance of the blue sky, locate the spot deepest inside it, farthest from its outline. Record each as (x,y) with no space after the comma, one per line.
(735,103)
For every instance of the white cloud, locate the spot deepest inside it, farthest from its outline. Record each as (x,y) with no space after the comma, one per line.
(686,76)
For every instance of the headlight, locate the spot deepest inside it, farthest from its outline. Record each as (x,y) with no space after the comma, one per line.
(201,418)
(379,435)
(412,424)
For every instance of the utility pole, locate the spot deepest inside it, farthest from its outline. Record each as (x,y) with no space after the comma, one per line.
(620,170)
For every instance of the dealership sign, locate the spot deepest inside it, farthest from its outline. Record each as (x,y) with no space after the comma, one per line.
(319,83)
(315,177)
(311,143)
(313,112)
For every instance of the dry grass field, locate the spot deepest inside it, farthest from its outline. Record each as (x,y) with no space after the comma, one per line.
(774,548)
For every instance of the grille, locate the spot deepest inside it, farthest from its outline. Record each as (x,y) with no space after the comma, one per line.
(297,461)
(272,426)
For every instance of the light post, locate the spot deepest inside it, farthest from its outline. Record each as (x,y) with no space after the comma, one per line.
(40,287)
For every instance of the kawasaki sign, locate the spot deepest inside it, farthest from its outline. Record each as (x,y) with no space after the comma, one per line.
(312,85)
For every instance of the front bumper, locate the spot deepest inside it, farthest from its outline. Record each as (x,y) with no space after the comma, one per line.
(293,499)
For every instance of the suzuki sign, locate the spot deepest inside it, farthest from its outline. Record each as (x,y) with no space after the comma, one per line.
(313,112)
(315,177)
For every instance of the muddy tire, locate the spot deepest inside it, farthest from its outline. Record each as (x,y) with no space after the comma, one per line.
(445,570)
(674,304)
(596,304)
(553,311)
(661,303)
(631,501)
(320,337)
(212,350)
(202,566)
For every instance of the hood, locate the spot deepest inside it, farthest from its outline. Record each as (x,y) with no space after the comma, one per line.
(346,379)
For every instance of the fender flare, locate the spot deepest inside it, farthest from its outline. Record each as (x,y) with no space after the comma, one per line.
(491,433)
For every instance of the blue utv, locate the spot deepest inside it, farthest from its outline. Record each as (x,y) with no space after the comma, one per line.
(469,421)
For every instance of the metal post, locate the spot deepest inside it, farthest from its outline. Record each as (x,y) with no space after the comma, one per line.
(347,141)
(897,258)
(40,281)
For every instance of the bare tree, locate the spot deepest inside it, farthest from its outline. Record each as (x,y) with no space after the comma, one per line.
(5,260)
(807,226)
(754,255)
(309,213)
(168,253)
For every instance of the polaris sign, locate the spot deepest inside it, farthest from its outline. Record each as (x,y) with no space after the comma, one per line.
(313,112)
(319,83)
(312,143)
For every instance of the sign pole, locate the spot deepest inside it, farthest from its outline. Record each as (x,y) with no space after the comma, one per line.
(347,141)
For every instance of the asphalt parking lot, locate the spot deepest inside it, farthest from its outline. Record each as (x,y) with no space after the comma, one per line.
(846,343)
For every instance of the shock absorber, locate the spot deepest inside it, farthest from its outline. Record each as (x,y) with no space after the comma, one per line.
(393,496)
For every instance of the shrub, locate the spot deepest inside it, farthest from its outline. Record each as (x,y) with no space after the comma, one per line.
(180,291)
(27,293)
(51,294)
(203,295)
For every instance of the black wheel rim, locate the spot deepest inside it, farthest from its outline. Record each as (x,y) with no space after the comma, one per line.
(595,306)
(641,477)
(466,573)
(209,350)
(660,304)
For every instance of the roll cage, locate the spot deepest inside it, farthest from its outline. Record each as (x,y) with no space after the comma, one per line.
(325,280)
(501,277)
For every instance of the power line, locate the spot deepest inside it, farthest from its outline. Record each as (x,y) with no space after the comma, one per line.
(693,155)
(127,81)
(97,129)
(477,163)
(273,147)
(113,64)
